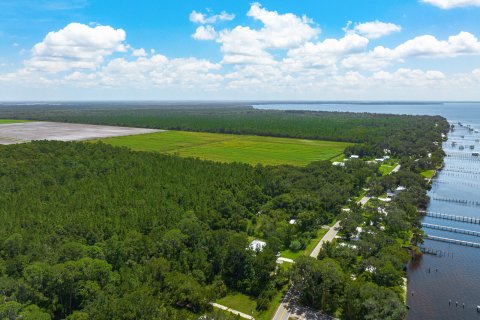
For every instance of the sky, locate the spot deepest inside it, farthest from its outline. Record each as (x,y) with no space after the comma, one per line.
(239,50)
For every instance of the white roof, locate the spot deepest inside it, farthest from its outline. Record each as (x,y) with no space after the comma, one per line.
(257,245)
(292,221)
(354,156)
(401,188)
(370,269)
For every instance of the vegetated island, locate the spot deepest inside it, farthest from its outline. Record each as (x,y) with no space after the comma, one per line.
(93,231)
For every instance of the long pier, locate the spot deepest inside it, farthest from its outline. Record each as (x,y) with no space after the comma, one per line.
(454,200)
(451,229)
(454,241)
(452,217)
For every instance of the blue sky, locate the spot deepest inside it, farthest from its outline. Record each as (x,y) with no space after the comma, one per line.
(289,49)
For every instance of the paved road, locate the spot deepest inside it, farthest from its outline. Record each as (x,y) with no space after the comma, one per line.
(289,307)
(363,201)
(396,169)
(281,260)
(329,236)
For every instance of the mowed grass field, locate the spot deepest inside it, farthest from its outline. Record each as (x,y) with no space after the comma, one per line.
(7,121)
(233,148)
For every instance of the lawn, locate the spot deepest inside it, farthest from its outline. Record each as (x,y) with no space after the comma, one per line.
(248,305)
(8,121)
(239,302)
(428,174)
(233,148)
(308,250)
(386,168)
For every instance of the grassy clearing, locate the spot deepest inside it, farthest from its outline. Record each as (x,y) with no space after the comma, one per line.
(8,121)
(240,302)
(233,148)
(308,250)
(428,174)
(385,169)
(289,254)
(243,303)
(313,243)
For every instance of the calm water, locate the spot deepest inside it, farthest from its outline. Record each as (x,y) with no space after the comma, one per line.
(434,280)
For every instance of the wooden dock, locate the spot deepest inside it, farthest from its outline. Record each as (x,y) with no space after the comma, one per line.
(452,217)
(451,229)
(454,241)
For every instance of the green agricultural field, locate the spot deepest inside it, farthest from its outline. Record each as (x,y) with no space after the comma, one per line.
(233,148)
(7,121)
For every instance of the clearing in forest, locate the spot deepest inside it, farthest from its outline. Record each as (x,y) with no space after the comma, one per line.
(233,148)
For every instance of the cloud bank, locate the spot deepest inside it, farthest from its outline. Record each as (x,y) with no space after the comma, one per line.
(284,56)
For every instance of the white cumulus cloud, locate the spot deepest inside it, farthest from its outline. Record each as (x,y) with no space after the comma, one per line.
(244,44)
(450,4)
(139,52)
(207,18)
(327,52)
(425,46)
(205,33)
(376,29)
(76,46)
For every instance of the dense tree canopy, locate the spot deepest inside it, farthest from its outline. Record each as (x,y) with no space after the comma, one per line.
(98,232)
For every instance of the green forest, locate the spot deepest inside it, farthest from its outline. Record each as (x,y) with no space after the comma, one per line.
(403,135)
(92,231)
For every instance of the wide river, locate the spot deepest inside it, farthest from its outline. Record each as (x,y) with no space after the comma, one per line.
(447,285)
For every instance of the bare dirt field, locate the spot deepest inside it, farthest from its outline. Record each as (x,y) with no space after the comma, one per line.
(28,131)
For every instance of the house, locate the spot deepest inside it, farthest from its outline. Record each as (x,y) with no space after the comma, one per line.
(380,160)
(257,245)
(370,269)
(359,232)
(292,221)
(339,164)
(354,156)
